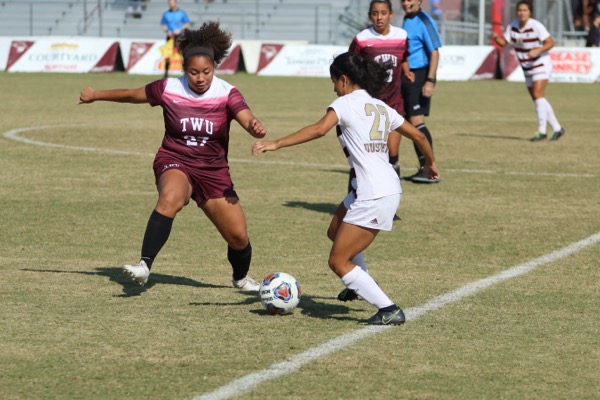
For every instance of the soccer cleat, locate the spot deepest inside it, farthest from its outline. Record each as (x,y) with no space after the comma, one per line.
(347,295)
(558,134)
(138,273)
(394,317)
(246,284)
(421,177)
(538,136)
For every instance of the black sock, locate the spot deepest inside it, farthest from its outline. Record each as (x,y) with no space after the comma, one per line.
(240,261)
(393,307)
(420,155)
(395,164)
(158,230)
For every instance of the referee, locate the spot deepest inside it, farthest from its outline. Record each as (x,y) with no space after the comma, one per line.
(423,58)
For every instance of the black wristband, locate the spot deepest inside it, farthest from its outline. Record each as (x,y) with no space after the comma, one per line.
(432,80)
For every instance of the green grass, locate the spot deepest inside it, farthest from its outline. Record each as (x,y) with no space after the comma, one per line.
(73,328)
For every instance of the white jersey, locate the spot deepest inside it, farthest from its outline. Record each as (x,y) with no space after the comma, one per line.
(531,36)
(363,128)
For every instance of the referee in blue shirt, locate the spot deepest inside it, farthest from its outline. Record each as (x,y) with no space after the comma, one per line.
(418,87)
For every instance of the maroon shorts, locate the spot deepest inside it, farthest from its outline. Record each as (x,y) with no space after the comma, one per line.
(208,182)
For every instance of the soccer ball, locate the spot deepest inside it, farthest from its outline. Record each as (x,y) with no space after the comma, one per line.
(280,293)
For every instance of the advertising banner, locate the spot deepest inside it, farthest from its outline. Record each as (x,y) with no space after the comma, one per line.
(62,54)
(569,64)
(296,60)
(460,63)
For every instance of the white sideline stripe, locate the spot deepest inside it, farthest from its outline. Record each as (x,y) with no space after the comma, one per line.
(14,135)
(293,363)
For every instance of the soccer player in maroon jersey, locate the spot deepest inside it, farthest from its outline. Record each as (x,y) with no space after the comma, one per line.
(192,160)
(383,42)
(532,41)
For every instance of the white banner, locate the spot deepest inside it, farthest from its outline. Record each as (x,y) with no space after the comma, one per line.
(62,54)
(569,64)
(296,60)
(461,63)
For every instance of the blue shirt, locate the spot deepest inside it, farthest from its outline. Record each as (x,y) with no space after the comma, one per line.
(174,20)
(423,38)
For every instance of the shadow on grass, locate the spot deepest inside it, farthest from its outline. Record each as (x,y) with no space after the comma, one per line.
(129,288)
(327,208)
(481,135)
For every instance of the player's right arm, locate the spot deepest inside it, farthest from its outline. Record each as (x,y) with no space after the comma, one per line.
(136,96)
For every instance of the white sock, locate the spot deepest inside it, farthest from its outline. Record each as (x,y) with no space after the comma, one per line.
(542,114)
(359,260)
(366,287)
(552,120)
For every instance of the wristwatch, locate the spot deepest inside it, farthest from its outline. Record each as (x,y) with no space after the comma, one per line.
(432,80)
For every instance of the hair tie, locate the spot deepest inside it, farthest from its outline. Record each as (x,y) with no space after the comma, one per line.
(195,50)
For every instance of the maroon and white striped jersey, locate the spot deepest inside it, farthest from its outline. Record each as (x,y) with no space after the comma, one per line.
(380,48)
(197,125)
(531,36)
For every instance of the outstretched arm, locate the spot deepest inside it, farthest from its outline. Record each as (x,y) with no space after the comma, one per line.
(135,96)
(306,134)
(408,130)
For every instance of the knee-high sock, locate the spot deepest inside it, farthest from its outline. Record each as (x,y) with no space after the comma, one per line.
(157,233)
(366,287)
(427,134)
(542,114)
(552,120)
(359,260)
(240,261)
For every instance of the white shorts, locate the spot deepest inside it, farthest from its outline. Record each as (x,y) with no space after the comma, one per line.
(374,214)
(541,76)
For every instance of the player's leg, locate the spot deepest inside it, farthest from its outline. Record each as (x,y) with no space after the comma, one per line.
(174,191)
(227,215)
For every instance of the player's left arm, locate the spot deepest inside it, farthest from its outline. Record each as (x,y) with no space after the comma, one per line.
(250,123)
(429,86)
(547,44)
(409,131)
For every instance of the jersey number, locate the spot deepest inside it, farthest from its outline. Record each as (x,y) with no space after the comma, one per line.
(381,119)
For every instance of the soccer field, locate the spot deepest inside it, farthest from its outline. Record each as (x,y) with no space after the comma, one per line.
(77,189)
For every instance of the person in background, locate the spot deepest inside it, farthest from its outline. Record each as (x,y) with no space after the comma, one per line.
(191,163)
(173,22)
(363,123)
(436,10)
(532,42)
(593,36)
(382,43)
(423,58)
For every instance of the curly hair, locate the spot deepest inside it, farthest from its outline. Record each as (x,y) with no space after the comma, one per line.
(369,75)
(209,35)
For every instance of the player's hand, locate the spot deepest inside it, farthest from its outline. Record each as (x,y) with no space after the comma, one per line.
(432,171)
(257,129)
(86,96)
(262,147)
(535,52)
(410,76)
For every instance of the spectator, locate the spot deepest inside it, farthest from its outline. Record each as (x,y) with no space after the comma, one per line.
(174,21)
(593,37)
(532,42)
(436,10)
(191,163)
(423,58)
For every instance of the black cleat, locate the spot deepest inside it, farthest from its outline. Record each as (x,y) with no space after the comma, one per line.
(538,136)
(394,317)
(421,177)
(347,295)
(558,134)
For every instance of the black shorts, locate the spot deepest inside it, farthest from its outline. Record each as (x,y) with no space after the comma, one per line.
(412,92)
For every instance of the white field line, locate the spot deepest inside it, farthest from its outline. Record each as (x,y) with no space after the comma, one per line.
(14,134)
(293,363)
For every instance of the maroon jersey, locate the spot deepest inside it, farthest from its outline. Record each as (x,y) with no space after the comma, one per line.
(381,48)
(196,125)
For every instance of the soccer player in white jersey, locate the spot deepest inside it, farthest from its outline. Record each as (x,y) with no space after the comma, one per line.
(531,42)
(363,124)
(191,163)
